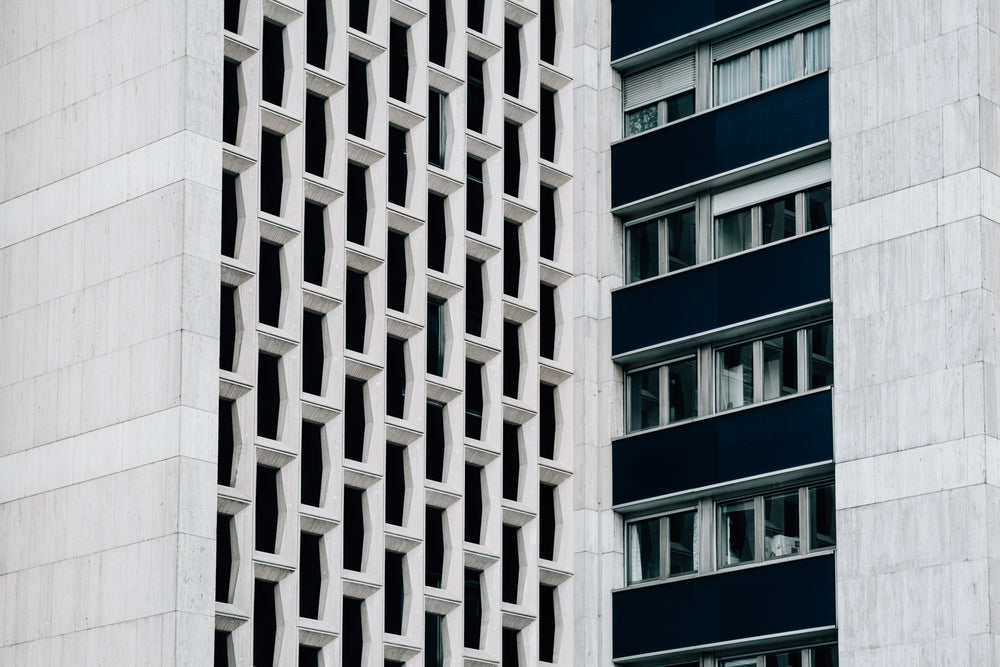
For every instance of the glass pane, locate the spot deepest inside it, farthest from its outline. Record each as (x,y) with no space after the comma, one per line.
(735,379)
(643,250)
(778,219)
(820,344)
(818,210)
(680,106)
(817,49)
(822,517)
(644,399)
(640,120)
(781,525)
(680,233)
(732,79)
(789,659)
(683,390)
(825,656)
(777,64)
(740,662)
(780,373)
(683,542)
(643,550)
(732,232)
(736,533)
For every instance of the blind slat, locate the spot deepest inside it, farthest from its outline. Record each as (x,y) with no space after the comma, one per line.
(756,38)
(659,82)
(771,188)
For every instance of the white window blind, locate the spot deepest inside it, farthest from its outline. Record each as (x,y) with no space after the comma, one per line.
(773,32)
(659,82)
(771,188)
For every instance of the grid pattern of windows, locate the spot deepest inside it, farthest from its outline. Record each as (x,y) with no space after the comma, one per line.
(363,328)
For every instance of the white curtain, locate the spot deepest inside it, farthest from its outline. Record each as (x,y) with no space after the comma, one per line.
(634,554)
(777,64)
(817,48)
(732,79)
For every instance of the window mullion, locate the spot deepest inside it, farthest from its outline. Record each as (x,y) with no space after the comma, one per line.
(802,358)
(703,228)
(804,520)
(706,535)
(706,380)
(755,71)
(756,226)
(663,251)
(758,528)
(664,547)
(664,395)
(758,371)
(800,213)
(798,55)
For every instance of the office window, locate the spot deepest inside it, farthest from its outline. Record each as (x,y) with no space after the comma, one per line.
(547,222)
(661,245)
(355,419)
(395,483)
(474,297)
(356,305)
(396,274)
(435,442)
(511,460)
(512,60)
(473,503)
(662,394)
(818,208)
(310,656)
(547,32)
(357,203)
(231,102)
(510,653)
(821,656)
(511,258)
(546,623)
(269,284)
(780,366)
(437,17)
(311,467)
(817,49)
(357,97)
(224,535)
(436,130)
(434,547)
(547,124)
(664,546)
(266,509)
(395,377)
(354,528)
(230,213)
(473,608)
(820,345)
(473,400)
(395,599)
(399,61)
(736,376)
(511,159)
(659,95)
(227,440)
(433,640)
(437,232)
(474,195)
(228,316)
(476,94)
(511,359)
(313,353)
(232,15)
(310,574)
(272,58)
(314,243)
(272,172)
(358,15)
(399,171)
(546,421)
(435,336)
(510,564)
(353,635)
(315,134)
(265,621)
(268,395)
(223,649)
(546,521)
(317,33)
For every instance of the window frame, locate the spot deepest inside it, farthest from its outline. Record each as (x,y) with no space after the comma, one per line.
(663,396)
(678,78)
(662,231)
(665,546)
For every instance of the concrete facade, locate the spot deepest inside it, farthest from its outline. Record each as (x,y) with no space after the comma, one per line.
(110,159)
(913,126)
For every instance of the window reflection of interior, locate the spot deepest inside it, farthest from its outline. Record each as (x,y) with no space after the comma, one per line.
(648,256)
(662,394)
(663,546)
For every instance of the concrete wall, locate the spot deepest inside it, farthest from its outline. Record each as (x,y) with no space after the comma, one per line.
(109,172)
(914,124)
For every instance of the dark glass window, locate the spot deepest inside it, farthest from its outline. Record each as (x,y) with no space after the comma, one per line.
(475,95)
(230,213)
(269,284)
(396,273)
(313,243)
(310,574)
(511,258)
(354,528)
(510,657)
(399,61)
(313,355)
(511,60)
(357,97)
(311,464)
(547,31)
(223,558)
(223,649)
(398,167)
(547,124)
(477,12)
(395,377)
(435,336)
(511,359)
(434,547)
(395,483)
(265,621)
(474,196)
(435,442)
(227,440)
(473,607)
(547,223)
(268,395)
(266,509)
(315,134)
(356,314)
(355,419)
(546,521)
(438,26)
(231,17)
(230,101)
(353,637)
(309,656)
(394,593)
(357,203)
(680,106)
(546,623)
(358,15)
(510,564)
(546,421)
(272,172)
(473,297)
(437,231)
(436,131)
(473,400)
(272,58)
(511,460)
(547,321)
(317,33)
(473,503)
(227,327)
(511,159)
(433,640)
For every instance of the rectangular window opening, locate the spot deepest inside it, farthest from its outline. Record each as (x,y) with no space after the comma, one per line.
(269,285)
(437,232)
(473,503)
(352,639)
(317,33)
(395,377)
(435,336)
(546,521)
(396,271)
(354,528)
(313,355)
(358,15)
(223,558)
(547,32)
(355,419)
(510,652)
(223,649)
(357,96)
(546,421)
(265,621)
(434,547)
(473,400)
(510,564)
(547,222)
(357,203)
(272,58)
(266,504)
(268,395)
(434,442)
(546,623)
(511,159)
(436,130)
(547,124)
(314,243)
(475,94)
(231,101)
(437,17)
(511,359)
(310,656)
(511,60)
(395,483)
(311,464)
(511,460)
(399,61)
(230,213)
(231,15)
(356,305)
(433,640)
(473,607)
(227,440)
(395,601)
(310,574)
(272,177)
(227,327)
(474,297)
(474,196)
(398,166)
(315,135)
(547,321)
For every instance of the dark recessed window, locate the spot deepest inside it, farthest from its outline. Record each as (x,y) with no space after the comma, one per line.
(357,97)
(310,574)
(433,640)
(473,297)
(315,134)
(546,521)
(511,60)
(272,58)
(230,101)
(435,336)
(230,213)
(355,419)
(396,274)
(473,607)
(227,328)
(309,656)
(353,637)
(223,558)
(437,231)
(311,464)
(358,15)
(511,460)
(473,503)
(474,196)
(511,159)
(547,223)
(269,284)
(395,483)
(266,509)
(546,623)
(398,168)
(394,593)
(547,321)
(265,621)
(317,33)
(227,440)
(268,395)
(314,243)
(547,31)
(399,61)
(272,172)
(473,400)
(477,12)
(475,95)
(395,377)
(356,304)
(436,130)
(313,356)
(511,359)
(357,203)
(547,124)
(511,258)
(510,564)
(438,26)
(546,421)
(435,442)
(434,547)
(354,528)
(223,649)
(231,16)
(509,648)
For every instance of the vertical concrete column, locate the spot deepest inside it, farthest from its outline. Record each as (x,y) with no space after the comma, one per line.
(109,289)
(914,124)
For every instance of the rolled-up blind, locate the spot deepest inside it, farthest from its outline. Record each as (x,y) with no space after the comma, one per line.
(658,82)
(771,188)
(770,33)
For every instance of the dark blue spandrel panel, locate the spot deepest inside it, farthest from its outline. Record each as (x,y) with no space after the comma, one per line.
(734,136)
(673,306)
(640,24)
(782,597)
(729,446)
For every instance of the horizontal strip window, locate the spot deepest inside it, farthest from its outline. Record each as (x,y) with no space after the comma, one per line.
(792,522)
(816,656)
(750,63)
(747,217)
